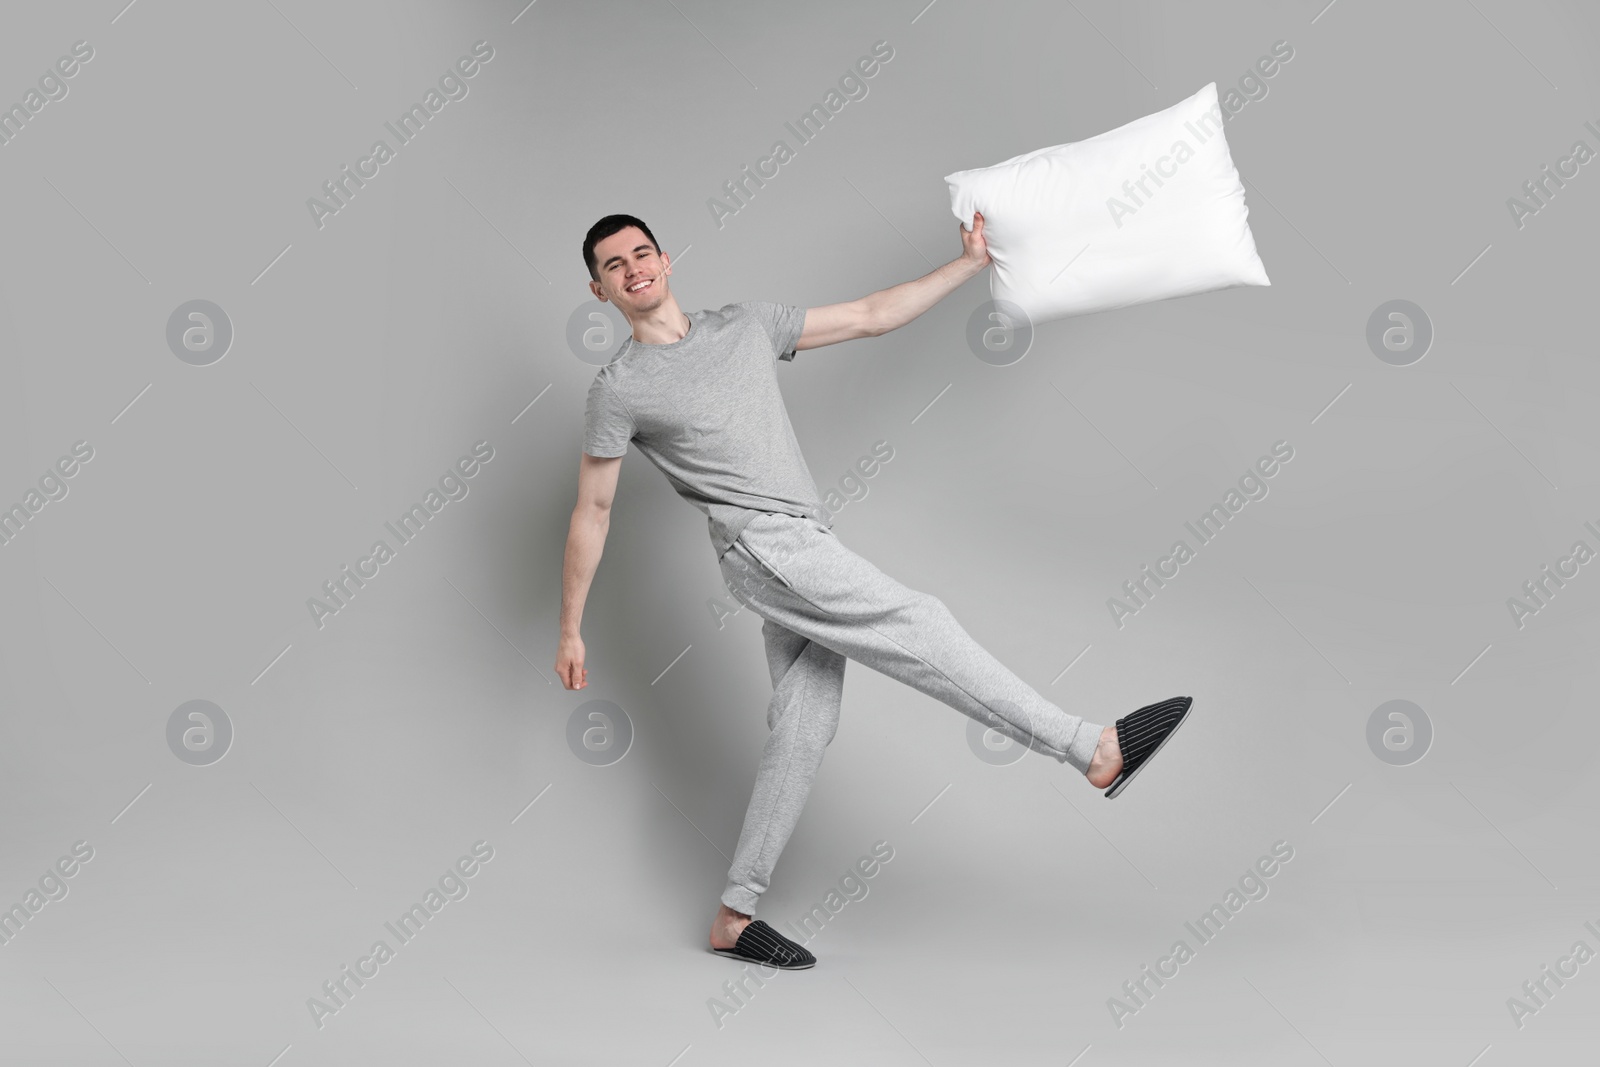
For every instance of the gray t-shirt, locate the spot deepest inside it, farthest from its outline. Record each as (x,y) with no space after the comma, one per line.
(706,410)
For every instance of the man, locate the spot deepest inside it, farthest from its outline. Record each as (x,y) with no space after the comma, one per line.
(698,394)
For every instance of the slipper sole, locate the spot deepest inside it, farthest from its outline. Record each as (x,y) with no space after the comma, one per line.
(730,954)
(1123,779)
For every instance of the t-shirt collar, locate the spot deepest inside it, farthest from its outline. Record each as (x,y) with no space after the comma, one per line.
(670,345)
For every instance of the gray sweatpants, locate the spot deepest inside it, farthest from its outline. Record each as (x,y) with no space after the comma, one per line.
(822,604)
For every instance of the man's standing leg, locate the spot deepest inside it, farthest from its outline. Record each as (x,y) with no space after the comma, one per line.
(807,687)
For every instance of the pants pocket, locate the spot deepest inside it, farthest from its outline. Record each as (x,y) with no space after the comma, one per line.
(746,575)
(763,559)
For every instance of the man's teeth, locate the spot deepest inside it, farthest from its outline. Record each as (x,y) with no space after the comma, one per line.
(641,285)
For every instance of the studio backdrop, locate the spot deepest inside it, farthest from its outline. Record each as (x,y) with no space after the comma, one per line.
(295,335)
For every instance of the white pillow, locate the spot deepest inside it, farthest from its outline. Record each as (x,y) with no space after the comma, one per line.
(1184,231)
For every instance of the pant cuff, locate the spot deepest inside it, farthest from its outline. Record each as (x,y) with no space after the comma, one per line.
(1080,752)
(740,899)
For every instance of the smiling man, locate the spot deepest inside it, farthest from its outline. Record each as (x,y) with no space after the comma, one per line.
(698,394)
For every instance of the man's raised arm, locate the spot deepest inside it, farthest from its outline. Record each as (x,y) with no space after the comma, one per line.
(586,539)
(889,309)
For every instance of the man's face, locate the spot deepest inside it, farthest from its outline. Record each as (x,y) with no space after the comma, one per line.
(633,275)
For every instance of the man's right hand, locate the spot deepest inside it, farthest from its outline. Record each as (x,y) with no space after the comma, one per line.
(569,663)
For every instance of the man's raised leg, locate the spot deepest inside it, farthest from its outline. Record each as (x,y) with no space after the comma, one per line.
(798,574)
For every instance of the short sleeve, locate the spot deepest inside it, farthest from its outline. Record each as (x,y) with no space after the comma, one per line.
(607,423)
(783,322)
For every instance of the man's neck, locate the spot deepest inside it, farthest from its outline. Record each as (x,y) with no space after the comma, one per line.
(662,326)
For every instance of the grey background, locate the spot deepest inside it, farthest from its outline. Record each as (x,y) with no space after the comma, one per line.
(369,754)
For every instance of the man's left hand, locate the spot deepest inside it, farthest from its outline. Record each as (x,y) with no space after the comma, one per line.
(973,246)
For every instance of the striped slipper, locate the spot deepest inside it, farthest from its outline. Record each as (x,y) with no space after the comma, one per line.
(1141,735)
(760,943)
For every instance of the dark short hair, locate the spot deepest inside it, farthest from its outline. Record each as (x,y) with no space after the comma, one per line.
(605,228)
